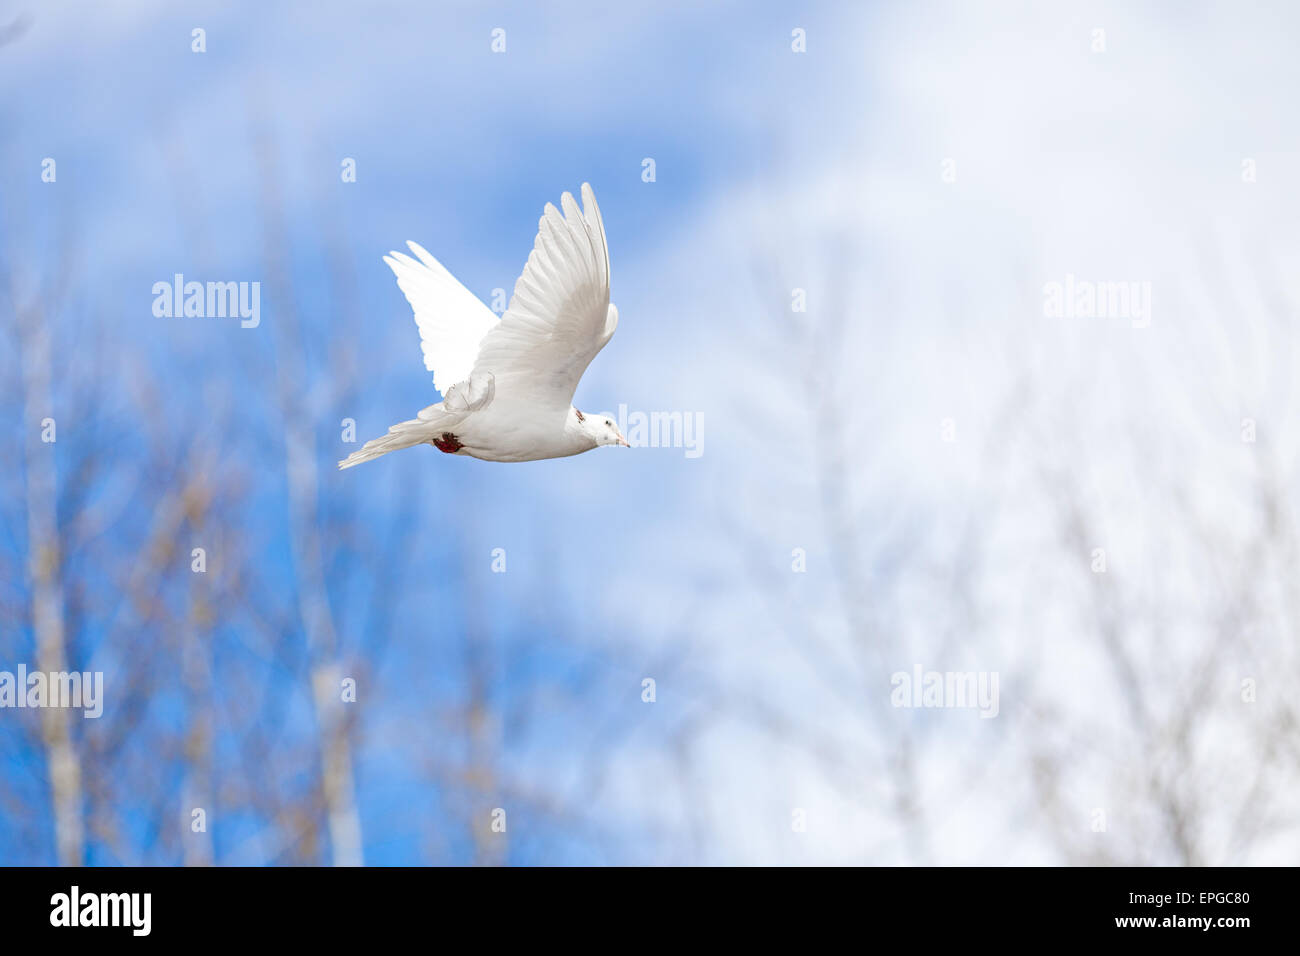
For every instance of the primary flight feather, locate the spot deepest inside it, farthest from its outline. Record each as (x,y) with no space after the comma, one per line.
(507,384)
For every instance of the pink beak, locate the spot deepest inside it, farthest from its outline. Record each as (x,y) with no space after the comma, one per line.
(623,441)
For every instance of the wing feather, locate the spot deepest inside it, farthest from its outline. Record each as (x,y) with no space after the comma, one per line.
(559,316)
(451,319)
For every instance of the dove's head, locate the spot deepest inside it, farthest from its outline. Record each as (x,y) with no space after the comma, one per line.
(601,429)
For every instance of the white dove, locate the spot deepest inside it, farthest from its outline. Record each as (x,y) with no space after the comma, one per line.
(508,384)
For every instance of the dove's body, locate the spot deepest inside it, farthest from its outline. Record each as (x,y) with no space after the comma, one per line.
(501,434)
(508,384)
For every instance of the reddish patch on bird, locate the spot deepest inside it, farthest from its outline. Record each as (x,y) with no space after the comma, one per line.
(581,417)
(448,443)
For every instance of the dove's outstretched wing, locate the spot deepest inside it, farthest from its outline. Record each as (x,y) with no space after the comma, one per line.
(451,319)
(559,316)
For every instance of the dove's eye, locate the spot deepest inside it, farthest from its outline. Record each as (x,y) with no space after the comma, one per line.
(609,423)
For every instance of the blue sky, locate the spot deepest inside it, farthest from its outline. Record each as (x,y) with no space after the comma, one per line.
(776,171)
(159,172)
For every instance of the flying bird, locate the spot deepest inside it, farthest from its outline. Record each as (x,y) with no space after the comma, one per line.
(507,384)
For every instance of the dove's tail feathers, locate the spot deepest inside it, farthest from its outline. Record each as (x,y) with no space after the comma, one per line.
(402,435)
